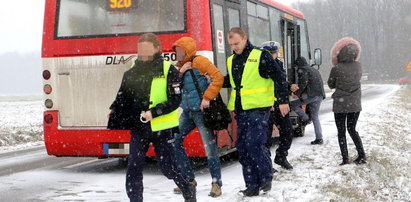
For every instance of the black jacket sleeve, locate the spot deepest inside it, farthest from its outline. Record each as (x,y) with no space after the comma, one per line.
(270,69)
(173,94)
(332,79)
(120,98)
(226,83)
(302,81)
(121,118)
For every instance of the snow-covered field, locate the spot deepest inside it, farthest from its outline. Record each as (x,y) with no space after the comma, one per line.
(20,122)
(385,128)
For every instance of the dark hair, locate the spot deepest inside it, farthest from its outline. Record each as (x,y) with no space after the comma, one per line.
(236,30)
(150,37)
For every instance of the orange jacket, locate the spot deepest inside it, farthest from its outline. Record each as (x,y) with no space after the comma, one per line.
(203,65)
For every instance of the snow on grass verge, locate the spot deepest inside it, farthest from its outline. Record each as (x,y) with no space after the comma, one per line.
(386,134)
(20,123)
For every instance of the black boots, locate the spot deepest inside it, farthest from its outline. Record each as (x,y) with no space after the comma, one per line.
(282,161)
(360,160)
(317,141)
(190,196)
(342,141)
(345,161)
(360,149)
(250,192)
(358,145)
(266,186)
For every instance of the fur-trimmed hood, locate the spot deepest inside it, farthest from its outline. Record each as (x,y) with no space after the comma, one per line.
(345,50)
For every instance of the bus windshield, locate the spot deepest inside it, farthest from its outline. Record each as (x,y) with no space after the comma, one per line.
(93,18)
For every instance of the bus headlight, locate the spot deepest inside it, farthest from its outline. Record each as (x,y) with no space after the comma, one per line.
(48,103)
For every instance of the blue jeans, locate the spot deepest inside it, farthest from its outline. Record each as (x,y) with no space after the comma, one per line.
(252,128)
(188,121)
(313,105)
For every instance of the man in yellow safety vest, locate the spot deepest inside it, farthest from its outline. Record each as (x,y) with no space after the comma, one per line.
(252,75)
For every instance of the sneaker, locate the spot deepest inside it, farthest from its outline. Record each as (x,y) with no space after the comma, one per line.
(283,163)
(317,141)
(250,192)
(266,186)
(215,190)
(177,190)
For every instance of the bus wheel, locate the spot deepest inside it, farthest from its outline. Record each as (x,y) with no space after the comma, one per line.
(123,161)
(299,131)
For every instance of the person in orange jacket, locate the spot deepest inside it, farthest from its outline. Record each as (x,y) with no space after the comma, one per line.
(210,81)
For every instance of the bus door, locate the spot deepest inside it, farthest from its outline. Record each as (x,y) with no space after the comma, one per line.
(224,15)
(290,39)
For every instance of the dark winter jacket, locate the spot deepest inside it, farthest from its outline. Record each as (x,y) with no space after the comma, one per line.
(310,83)
(191,100)
(268,69)
(133,97)
(345,76)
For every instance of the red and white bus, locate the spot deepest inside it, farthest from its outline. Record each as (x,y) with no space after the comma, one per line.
(88,45)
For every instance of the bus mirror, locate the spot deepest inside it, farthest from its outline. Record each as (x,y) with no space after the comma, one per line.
(317,57)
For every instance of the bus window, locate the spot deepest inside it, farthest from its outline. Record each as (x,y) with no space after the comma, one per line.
(233,18)
(275,17)
(304,48)
(219,40)
(258,24)
(78,18)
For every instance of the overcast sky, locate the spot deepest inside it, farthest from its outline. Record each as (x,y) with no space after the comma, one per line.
(22,25)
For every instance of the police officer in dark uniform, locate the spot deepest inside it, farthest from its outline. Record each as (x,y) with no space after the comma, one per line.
(147,103)
(284,122)
(253,75)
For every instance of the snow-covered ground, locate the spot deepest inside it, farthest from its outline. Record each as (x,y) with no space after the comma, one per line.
(20,122)
(385,128)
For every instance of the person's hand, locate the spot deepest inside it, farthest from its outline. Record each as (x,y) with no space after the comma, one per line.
(185,67)
(284,109)
(204,104)
(294,87)
(147,116)
(294,96)
(272,108)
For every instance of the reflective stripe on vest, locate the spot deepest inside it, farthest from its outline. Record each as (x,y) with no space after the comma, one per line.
(158,94)
(256,91)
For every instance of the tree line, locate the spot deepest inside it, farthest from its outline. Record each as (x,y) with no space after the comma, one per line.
(383,27)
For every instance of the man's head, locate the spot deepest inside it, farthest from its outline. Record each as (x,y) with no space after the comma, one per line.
(148,45)
(185,49)
(237,39)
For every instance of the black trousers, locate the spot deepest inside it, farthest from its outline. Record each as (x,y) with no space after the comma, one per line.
(163,147)
(286,132)
(348,121)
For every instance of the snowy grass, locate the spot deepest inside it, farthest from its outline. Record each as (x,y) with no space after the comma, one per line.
(20,123)
(386,135)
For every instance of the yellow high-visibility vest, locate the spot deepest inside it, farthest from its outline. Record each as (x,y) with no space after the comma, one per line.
(158,94)
(256,91)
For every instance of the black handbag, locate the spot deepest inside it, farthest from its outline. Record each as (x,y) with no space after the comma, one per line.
(217,116)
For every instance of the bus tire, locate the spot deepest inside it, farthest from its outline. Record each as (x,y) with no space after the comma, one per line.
(123,161)
(299,131)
